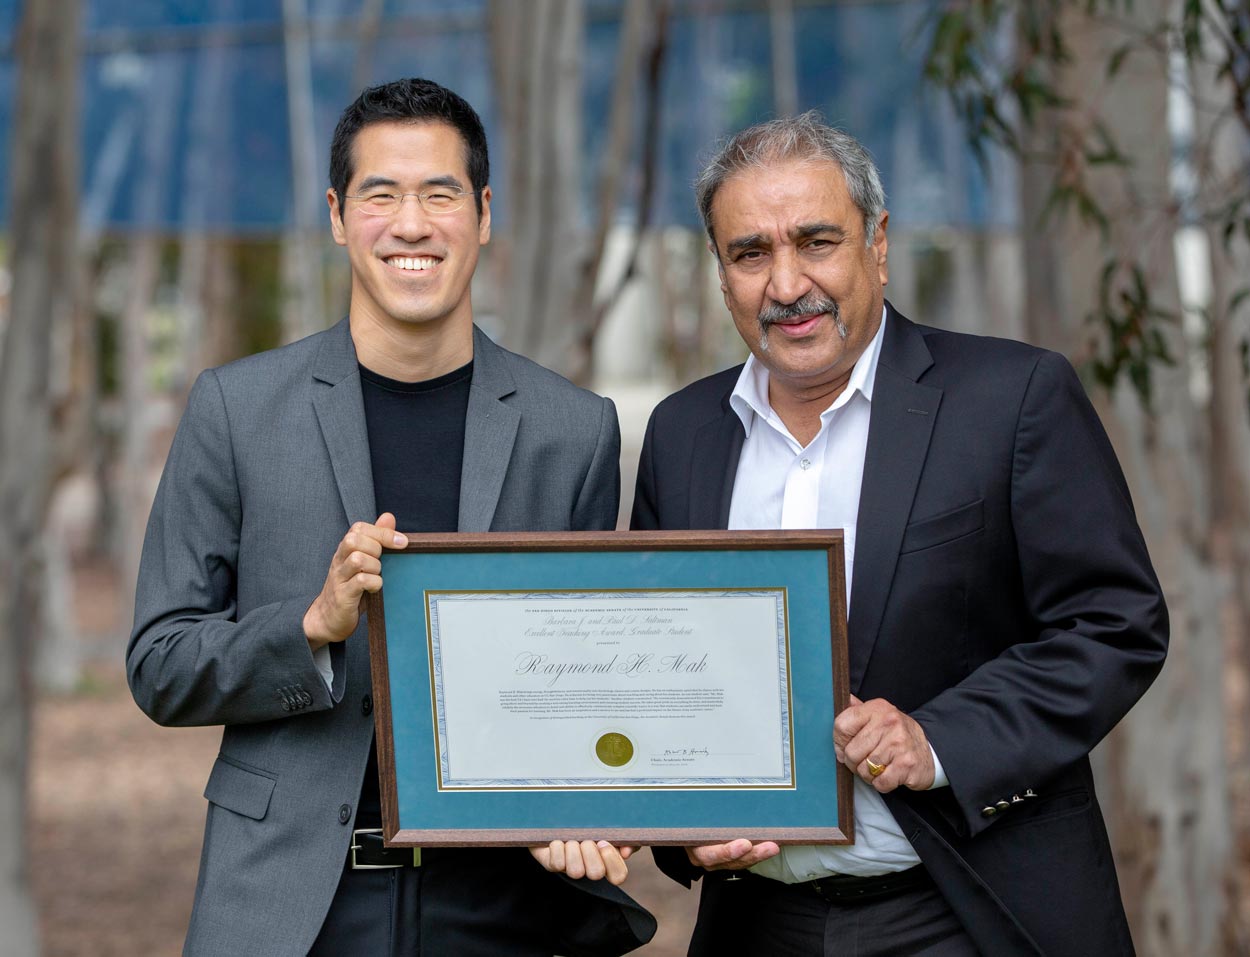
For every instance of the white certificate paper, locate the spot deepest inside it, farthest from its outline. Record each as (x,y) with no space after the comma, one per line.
(618,689)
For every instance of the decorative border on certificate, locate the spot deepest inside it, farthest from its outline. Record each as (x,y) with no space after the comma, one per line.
(610,689)
(515,704)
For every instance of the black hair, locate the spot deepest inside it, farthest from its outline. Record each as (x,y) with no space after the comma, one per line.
(411,99)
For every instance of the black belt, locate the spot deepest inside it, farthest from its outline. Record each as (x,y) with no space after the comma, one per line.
(368,853)
(847,889)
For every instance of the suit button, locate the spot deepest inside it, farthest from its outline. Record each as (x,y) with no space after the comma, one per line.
(1002,805)
(988,812)
(1030,793)
(307,699)
(366,705)
(286,704)
(345,813)
(1017,799)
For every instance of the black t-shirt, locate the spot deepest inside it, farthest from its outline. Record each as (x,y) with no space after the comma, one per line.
(416,447)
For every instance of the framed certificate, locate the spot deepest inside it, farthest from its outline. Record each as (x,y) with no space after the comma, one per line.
(644,688)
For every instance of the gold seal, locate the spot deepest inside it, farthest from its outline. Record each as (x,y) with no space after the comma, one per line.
(614,749)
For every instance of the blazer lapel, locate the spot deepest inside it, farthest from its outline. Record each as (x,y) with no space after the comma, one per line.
(717,447)
(341,415)
(490,428)
(903,412)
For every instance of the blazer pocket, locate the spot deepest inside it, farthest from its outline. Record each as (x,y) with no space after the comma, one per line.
(944,528)
(239,788)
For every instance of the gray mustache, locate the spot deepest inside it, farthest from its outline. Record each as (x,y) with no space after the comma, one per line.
(806,306)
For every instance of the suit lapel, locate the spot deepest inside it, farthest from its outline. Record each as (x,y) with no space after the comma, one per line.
(490,428)
(717,447)
(903,413)
(341,415)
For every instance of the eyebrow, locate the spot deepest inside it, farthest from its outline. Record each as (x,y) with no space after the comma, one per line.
(746,242)
(808,230)
(805,231)
(372,182)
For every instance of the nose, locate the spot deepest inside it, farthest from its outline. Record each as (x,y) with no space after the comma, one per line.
(787,280)
(410,222)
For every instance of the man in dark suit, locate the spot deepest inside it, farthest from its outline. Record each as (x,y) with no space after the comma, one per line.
(1003,612)
(290,472)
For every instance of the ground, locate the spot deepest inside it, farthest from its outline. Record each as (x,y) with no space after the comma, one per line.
(117,818)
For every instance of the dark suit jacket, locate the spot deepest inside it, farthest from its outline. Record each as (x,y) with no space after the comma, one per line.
(1002,596)
(268,469)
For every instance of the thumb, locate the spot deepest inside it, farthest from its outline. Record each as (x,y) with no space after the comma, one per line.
(387,521)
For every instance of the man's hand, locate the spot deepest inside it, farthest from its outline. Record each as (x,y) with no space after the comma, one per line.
(735,856)
(590,859)
(356,568)
(877,731)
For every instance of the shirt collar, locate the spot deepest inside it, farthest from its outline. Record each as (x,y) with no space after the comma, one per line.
(750,395)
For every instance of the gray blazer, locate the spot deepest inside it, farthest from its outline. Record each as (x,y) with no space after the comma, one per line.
(269,467)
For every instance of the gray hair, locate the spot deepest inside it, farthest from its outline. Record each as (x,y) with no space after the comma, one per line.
(804,137)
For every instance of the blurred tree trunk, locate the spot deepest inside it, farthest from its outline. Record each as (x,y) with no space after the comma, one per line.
(133,479)
(784,57)
(42,235)
(303,309)
(552,254)
(1162,771)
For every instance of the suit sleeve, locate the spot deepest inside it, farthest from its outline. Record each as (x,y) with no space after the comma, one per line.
(1097,624)
(599,499)
(190,659)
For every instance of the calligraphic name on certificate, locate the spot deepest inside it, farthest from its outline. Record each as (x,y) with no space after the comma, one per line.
(654,688)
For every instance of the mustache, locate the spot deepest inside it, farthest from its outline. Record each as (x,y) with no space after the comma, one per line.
(810,305)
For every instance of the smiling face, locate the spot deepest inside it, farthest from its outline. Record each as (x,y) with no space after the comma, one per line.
(410,268)
(804,288)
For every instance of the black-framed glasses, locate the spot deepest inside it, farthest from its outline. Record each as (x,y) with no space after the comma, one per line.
(433,199)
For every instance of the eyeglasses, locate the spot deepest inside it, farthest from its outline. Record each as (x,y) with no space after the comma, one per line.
(435,200)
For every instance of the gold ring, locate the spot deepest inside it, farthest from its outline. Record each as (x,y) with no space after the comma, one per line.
(873,767)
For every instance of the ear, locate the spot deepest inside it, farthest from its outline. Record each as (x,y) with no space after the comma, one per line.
(336,218)
(720,267)
(483,221)
(881,246)
(720,273)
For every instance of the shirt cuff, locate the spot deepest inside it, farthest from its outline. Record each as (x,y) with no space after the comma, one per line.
(321,658)
(939,775)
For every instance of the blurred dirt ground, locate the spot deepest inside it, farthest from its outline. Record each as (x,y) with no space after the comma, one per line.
(117,812)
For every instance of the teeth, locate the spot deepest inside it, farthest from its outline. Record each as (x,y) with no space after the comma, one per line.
(408,262)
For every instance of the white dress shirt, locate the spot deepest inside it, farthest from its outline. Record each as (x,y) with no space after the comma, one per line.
(781,484)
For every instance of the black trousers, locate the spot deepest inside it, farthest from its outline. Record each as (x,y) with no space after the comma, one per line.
(477,902)
(759,917)
(460,901)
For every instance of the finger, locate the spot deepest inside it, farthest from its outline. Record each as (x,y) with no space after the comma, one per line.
(736,855)
(593,860)
(626,851)
(714,855)
(855,701)
(614,863)
(555,851)
(542,855)
(386,522)
(866,744)
(574,866)
(359,561)
(357,585)
(849,723)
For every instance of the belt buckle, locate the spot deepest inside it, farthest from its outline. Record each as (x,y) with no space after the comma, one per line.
(416,853)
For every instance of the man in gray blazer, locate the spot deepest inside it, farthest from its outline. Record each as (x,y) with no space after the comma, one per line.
(290,471)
